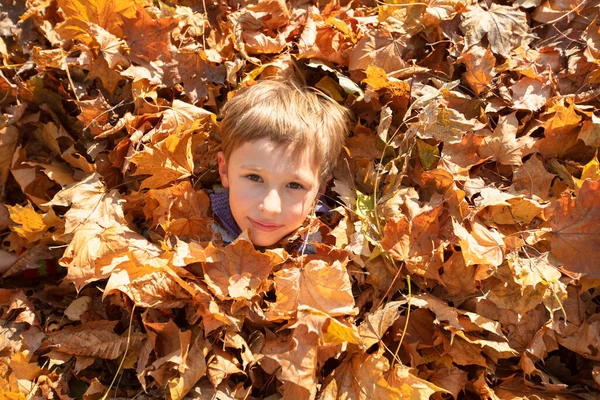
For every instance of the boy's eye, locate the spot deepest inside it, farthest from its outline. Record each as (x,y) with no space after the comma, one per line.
(254,178)
(295,185)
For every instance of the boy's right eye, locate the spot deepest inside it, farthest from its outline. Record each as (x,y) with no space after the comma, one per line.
(253,178)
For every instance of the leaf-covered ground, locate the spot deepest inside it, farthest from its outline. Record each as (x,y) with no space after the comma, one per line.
(461,257)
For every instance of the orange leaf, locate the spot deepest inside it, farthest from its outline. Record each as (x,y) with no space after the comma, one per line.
(575,227)
(317,284)
(241,272)
(480,64)
(94,339)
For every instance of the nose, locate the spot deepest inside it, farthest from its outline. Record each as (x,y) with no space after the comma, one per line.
(271,203)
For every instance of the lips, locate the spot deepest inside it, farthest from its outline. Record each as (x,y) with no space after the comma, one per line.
(264,226)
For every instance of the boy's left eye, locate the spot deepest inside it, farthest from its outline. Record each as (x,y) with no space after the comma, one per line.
(295,185)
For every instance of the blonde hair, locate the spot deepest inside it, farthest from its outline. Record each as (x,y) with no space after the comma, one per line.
(286,114)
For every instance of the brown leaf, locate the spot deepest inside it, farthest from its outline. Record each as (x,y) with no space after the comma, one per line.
(9,136)
(505,27)
(95,339)
(294,360)
(180,210)
(560,131)
(148,38)
(108,14)
(503,146)
(317,284)
(481,246)
(576,230)
(166,162)
(480,64)
(532,179)
(378,48)
(241,272)
(361,377)
(530,94)
(148,284)
(90,203)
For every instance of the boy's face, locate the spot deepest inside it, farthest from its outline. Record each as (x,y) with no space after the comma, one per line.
(271,189)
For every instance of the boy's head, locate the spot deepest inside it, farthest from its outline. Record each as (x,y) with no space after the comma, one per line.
(280,144)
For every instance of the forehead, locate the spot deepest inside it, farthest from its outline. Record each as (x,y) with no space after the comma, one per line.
(276,158)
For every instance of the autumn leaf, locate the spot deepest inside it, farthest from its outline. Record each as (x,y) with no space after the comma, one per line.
(360,377)
(503,145)
(481,246)
(574,230)
(108,14)
(505,28)
(180,211)
(96,339)
(480,64)
(455,241)
(380,49)
(241,271)
(8,144)
(148,38)
(166,162)
(322,286)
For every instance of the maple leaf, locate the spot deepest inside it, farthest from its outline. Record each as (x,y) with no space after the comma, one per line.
(374,327)
(148,38)
(559,130)
(532,179)
(149,284)
(94,246)
(95,339)
(575,229)
(458,158)
(196,72)
(378,48)
(108,14)
(443,123)
(295,360)
(481,246)
(411,386)
(530,94)
(241,271)
(89,202)
(330,330)
(414,242)
(16,302)
(361,377)
(325,287)
(503,145)
(180,211)
(505,28)
(167,161)
(8,143)
(31,225)
(590,132)
(480,68)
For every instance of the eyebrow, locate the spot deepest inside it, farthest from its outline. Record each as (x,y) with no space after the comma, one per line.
(251,167)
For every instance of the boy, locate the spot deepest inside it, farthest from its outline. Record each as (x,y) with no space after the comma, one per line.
(280,144)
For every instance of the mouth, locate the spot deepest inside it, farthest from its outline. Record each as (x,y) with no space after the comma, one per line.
(264,226)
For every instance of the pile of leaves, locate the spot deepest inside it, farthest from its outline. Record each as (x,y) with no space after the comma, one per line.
(460,257)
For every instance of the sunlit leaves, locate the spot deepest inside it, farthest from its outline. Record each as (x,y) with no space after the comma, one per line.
(460,241)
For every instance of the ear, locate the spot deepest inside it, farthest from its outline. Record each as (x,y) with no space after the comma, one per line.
(223,169)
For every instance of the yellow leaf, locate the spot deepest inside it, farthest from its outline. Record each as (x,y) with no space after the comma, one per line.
(108,14)
(591,170)
(32,226)
(338,333)
(166,161)
(411,386)
(376,77)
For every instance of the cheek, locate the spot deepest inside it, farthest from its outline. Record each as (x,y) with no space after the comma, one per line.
(299,208)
